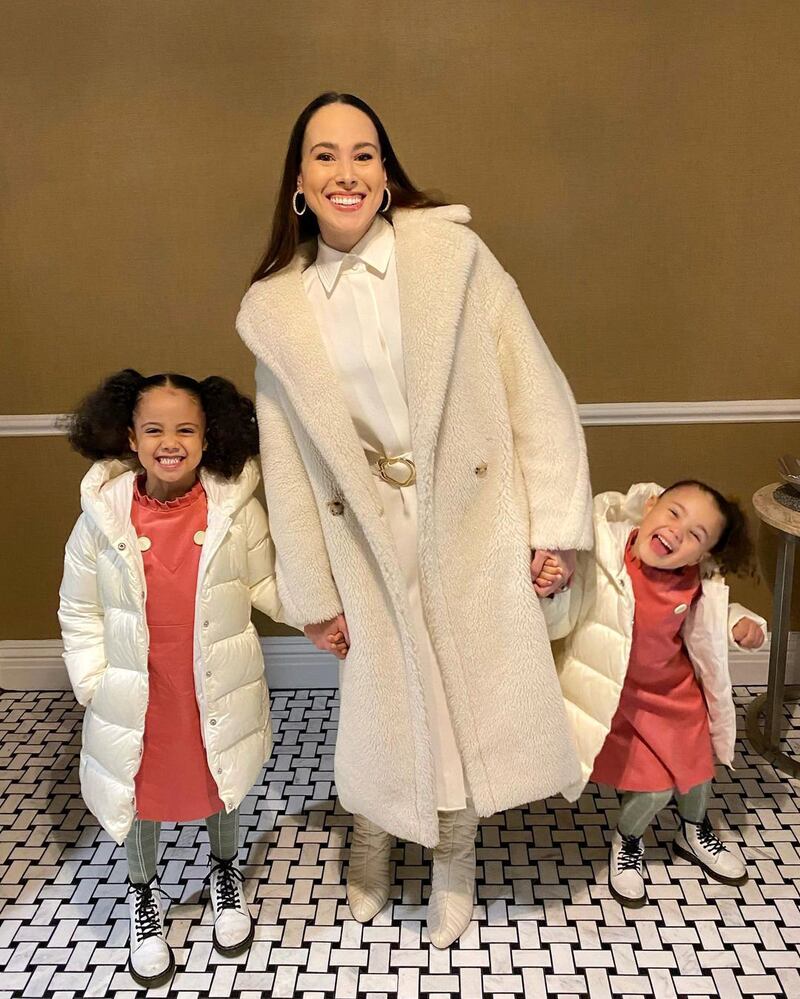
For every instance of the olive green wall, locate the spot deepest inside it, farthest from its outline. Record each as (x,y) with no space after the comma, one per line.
(633,164)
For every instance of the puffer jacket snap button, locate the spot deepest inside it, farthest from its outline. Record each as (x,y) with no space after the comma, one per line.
(122,546)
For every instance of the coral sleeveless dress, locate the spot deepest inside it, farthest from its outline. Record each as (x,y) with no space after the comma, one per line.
(659,737)
(174,783)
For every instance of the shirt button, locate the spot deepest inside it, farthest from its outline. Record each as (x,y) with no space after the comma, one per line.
(219,770)
(205,624)
(358,267)
(145,544)
(680,608)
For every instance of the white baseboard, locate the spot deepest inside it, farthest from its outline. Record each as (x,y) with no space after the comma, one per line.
(292,663)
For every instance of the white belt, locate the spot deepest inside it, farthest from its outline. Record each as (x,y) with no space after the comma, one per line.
(398,470)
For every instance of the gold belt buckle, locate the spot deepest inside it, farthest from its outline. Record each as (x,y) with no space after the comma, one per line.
(411,471)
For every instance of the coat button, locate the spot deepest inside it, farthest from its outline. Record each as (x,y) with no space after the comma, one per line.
(145,544)
(200,537)
(680,608)
(481,469)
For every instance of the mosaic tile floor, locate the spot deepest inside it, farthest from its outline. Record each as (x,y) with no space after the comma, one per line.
(545,923)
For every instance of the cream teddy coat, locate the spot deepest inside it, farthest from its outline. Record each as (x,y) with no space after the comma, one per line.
(597,614)
(501,468)
(103,623)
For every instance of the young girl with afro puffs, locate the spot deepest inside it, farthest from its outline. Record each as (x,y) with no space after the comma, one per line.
(160,573)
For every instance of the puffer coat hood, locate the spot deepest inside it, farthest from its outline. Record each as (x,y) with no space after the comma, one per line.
(104,627)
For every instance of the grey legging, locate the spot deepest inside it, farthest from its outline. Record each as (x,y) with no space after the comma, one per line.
(141,844)
(639,808)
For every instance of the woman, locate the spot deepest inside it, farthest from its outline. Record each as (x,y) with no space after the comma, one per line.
(418,443)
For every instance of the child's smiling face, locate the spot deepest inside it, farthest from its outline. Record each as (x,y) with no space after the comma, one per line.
(679,528)
(167,435)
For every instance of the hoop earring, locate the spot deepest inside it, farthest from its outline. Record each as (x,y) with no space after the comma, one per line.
(294,203)
(388,205)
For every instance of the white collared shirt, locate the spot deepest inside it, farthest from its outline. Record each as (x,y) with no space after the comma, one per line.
(355,299)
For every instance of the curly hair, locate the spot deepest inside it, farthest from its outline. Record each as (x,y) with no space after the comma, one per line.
(734,549)
(101,424)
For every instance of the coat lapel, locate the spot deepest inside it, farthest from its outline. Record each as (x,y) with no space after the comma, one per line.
(434,262)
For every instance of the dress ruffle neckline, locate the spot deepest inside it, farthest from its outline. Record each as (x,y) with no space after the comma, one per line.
(151,503)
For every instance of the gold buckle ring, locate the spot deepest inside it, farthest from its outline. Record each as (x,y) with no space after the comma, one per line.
(385,463)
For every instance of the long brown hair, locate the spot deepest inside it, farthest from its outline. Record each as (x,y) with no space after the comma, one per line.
(289,229)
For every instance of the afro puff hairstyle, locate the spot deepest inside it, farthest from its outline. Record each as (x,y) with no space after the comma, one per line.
(100,426)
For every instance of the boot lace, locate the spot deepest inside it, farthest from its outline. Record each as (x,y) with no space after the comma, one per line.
(226,887)
(708,839)
(145,910)
(630,853)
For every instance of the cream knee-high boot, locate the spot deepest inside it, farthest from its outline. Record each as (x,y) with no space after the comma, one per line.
(453,882)
(368,874)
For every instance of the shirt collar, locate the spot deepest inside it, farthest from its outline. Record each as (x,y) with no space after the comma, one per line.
(374,249)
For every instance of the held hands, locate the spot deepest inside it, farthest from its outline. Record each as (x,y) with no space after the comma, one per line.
(551,572)
(330,636)
(748,634)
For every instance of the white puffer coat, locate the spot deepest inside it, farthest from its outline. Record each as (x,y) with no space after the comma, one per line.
(597,614)
(102,615)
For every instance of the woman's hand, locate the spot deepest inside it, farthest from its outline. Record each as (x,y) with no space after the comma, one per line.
(552,571)
(748,634)
(330,636)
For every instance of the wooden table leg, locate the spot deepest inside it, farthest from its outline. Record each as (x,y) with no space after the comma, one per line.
(782,603)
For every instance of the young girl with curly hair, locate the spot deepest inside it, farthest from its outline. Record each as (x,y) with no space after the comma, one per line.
(160,573)
(644,670)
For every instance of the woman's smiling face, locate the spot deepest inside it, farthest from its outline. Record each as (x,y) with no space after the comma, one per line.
(341,173)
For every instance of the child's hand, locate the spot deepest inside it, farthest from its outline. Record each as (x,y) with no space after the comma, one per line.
(338,644)
(550,577)
(551,571)
(748,634)
(330,636)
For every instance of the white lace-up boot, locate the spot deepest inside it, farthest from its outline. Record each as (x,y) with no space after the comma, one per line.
(233,924)
(368,872)
(151,962)
(453,881)
(698,843)
(625,870)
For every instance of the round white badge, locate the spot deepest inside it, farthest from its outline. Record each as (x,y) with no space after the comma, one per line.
(200,537)
(145,544)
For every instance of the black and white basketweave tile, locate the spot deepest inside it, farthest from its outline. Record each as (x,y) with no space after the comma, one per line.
(545,923)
